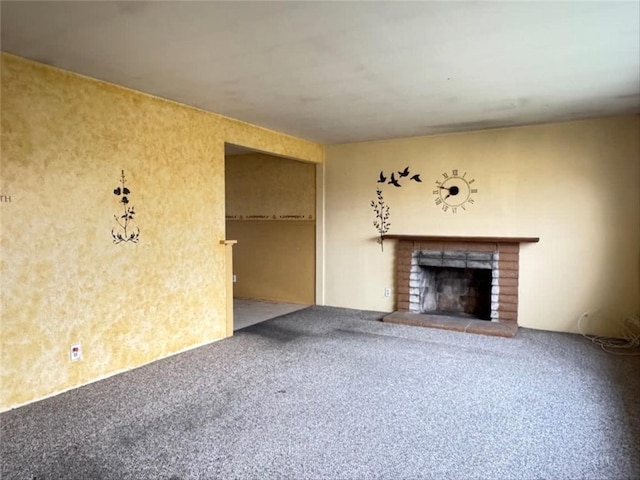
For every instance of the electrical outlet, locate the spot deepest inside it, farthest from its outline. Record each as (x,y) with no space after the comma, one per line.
(387,292)
(234,278)
(75,352)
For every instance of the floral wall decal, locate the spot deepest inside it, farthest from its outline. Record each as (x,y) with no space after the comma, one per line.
(381,223)
(126,231)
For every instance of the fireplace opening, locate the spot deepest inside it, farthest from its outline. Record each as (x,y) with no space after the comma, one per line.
(454,291)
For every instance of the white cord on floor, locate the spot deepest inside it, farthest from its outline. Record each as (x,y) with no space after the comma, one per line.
(618,346)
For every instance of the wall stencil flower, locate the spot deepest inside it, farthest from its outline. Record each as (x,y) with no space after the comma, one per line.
(126,230)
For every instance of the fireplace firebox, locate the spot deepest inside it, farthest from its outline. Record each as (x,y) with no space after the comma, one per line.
(464,292)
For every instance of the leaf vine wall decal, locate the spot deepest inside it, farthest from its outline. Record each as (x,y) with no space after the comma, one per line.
(395,178)
(381,223)
(126,232)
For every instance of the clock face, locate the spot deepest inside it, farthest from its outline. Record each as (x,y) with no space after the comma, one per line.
(454,191)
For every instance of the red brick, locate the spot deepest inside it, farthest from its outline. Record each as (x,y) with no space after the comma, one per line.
(403,254)
(403,297)
(504,265)
(403,261)
(507,282)
(483,247)
(429,246)
(404,270)
(507,307)
(403,277)
(508,316)
(508,273)
(513,299)
(405,246)
(508,290)
(404,266)
(508,247)
(509,257)
(403,306)
(457,246)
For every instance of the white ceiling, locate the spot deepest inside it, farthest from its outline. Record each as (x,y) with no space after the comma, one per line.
(337,72)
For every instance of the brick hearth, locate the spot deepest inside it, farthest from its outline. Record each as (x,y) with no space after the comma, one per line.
(504,263)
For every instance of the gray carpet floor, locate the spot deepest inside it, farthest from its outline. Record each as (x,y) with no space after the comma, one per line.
(328,393)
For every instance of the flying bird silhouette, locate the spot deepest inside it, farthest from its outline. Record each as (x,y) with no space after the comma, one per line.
(404,173)
(382,178)
(416,177)
(393,181)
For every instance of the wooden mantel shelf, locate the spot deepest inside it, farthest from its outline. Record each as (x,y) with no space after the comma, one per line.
(432,238)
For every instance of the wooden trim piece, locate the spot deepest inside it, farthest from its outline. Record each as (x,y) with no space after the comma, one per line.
(228,264)
(432,238)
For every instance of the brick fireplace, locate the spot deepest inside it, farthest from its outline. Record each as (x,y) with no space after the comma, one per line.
(484,302)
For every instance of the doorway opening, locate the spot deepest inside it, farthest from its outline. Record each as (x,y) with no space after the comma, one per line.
(270,206)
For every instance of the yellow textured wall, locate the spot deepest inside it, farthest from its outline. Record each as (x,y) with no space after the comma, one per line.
(65,141)
(274,260)
(575,185)
(276,188)
(271,212)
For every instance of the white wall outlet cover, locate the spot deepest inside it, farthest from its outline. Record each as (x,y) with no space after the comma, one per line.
(75,352)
